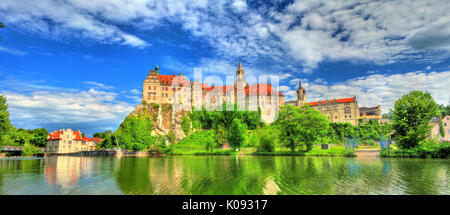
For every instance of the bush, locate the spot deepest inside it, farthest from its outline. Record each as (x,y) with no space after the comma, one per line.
(133,134)
(196,139)
(185,125)
(171,136)
(30,150)
(428,149)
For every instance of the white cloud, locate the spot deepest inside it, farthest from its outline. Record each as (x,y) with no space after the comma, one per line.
(98,85)
(135,91)
(89,109)
(11,51)
(303,33)
(382,88)
(61,20)
(240,5)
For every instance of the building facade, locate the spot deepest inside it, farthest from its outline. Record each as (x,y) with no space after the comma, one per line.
(339,110)
(167,89)
(67,141)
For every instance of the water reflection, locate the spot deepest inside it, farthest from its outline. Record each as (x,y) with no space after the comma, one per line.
(223,175)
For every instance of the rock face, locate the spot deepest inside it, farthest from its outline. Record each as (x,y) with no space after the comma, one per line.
(164,120)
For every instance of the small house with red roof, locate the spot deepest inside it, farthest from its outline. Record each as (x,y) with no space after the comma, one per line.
(65,141)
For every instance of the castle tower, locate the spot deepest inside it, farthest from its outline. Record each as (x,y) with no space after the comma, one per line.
(301,95)
(240,75)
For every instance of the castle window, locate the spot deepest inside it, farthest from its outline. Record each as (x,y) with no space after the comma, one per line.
(149,87)
(154,87)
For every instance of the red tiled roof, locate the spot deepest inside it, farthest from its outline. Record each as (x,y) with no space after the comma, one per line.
(168,79)
(331,101)
(259,88)
(55,135)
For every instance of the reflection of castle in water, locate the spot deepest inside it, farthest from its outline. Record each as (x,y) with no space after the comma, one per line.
(66,170)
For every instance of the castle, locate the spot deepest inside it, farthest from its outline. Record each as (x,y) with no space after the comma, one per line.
(339,110)
(167,89)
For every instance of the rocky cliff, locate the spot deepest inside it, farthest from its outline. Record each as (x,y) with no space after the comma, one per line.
(164,119)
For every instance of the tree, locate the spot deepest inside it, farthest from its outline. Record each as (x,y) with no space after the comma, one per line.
(411,116)
(236,133)
(103,135)
(134,133)
(171,136)
(220,135)
(29,149)
(441,128)
(301,125)
(185,125)
(1,26)
(5,123)
(39,138)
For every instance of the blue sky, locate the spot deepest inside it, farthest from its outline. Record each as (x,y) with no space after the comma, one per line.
(81,64)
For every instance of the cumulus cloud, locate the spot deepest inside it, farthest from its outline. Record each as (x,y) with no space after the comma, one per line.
(436,35)
(85,110)
(65,19)
(381,89)
(302,32)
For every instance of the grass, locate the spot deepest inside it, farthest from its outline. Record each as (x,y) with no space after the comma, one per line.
(338,151)
(279,151)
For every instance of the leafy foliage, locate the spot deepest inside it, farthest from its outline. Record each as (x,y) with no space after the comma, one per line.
(171,136)
(103,135)
(441,128)
(186,125)
(197,139)
(236,133)
(411,116)
(428,149)
(133,134)
(213,119)
(5,123)
(301,126)
(30,150)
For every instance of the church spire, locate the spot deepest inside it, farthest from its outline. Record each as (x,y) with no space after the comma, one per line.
(240,65)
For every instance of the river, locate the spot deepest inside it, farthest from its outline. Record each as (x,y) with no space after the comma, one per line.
(223,175)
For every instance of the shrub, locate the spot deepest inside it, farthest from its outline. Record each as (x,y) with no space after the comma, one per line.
(185,125)
(171,136)
(428,149)
(30,150)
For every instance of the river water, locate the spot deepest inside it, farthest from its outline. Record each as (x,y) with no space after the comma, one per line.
(223,175)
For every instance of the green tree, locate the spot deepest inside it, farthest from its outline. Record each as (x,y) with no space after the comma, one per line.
(171,136)
(29,149)
(301,125)
(134,133)
(411,116)
(103,135)
(1,26)
(185,125)
(236,133)
(5,123)
(39,138)
(220,135)
(441,128)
